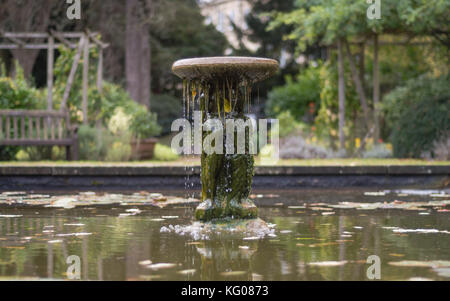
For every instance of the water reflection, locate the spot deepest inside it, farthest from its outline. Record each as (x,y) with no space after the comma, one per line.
(308,246)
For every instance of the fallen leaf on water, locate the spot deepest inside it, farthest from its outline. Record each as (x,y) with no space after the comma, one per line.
(443,272)
(320,209)
(149,277)
(399,230)
(125,214)
(378,193)
(187,272)
(296,207)
(396,255)
(323,244)
(160,266)
(55,241)
(252,238)
(328,263)
(14,193)
(193,243)
(145,262)
(11,216)
(423,264)
(73,234)
(233,273)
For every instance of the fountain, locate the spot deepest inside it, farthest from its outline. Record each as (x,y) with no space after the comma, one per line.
(220,87)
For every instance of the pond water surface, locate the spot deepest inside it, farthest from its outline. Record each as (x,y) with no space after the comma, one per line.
(311,242)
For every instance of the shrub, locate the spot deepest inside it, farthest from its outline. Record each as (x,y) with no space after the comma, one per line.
(440,149)
(39,153)
(168,108)
(296,95)
(287,124)
(144,124)
(93,143)
(102,106)
(418,115)
(119,151)
(295,147)
(379,151)
(164,153)
(16,94)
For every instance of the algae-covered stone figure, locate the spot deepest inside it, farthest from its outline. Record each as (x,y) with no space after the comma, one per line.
(220,89)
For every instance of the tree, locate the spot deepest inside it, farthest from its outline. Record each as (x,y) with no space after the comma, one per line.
(137,50)
(270,43)
(328,21)
(26,16)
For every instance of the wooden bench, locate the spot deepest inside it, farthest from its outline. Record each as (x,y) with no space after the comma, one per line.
(38,128)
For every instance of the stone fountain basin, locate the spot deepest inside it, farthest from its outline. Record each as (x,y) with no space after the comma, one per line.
(251,68)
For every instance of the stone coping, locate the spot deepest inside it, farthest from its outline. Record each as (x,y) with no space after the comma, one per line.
(252,68)
(409,170)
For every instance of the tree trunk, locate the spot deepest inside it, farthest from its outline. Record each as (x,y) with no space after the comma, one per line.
(358,84)
(145,67)
(362,63)
(376,89)
(132,44)
(25,16)
(137,53)
(26,59)
(341,86)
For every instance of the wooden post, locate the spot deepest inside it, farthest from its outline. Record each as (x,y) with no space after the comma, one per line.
(376,89)
(100,69)
(362,62)
(98,122)
(85,79)
(358,85)
(72,73)
(341,86)
(50,58)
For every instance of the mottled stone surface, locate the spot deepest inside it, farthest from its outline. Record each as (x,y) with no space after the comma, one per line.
(245,209)
(252,68)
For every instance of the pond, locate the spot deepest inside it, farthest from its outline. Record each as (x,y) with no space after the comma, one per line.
(407,230)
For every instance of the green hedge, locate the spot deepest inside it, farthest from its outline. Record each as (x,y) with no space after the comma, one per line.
(418,114)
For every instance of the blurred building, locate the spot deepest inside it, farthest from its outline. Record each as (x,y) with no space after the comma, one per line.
(223,14)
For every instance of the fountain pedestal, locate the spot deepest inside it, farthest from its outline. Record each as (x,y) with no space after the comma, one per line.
(221,89)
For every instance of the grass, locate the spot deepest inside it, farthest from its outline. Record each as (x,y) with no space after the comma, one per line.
(196,161)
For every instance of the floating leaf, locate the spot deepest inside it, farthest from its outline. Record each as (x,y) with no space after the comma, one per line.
(233,273)
(187,272)
(160,266)
(328,263)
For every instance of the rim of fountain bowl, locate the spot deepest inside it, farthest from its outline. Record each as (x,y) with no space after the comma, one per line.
(252,68)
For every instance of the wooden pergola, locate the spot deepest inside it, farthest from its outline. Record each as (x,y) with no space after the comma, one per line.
(82,41)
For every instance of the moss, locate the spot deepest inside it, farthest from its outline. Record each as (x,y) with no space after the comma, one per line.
(226,178)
